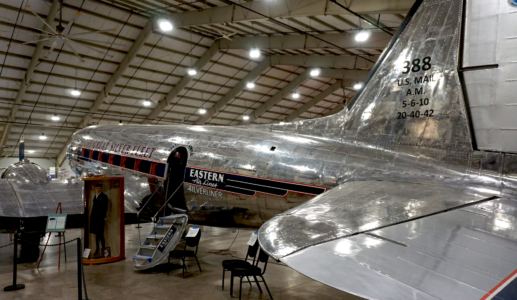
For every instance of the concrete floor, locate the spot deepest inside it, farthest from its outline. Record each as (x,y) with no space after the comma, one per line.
(120,281)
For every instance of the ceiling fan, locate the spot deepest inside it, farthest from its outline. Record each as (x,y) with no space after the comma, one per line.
(62,34)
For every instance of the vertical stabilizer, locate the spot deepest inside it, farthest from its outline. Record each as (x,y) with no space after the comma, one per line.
(490,72)
(414,101)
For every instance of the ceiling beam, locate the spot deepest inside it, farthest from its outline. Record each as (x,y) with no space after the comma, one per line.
(284,8)
(351,75)
(131,54)
(203,60)
(305,61)
(354,75)
(346,41)
(28,75)
(320,61)
(334,87)
(286,90)
(219,105)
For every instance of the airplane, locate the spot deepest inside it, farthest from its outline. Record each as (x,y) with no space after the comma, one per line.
(409,194)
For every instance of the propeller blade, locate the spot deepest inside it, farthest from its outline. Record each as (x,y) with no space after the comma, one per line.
(36,41)
(49,33)
(52,47)
(28,7)
(69,25)
(94,41)
(92,48)
(90,32)
(75,52)
(21,32)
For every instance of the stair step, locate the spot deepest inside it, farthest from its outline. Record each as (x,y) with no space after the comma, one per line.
(171,217)
(148,247)
(147,255)
(165,226)
(143,257)
(155,236)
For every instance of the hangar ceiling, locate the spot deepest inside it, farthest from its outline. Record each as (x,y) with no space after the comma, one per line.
(116,54)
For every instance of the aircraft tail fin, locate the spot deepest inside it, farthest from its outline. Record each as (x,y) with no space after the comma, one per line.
(415,98)
(413,101)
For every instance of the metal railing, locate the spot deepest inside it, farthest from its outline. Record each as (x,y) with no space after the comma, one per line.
(149,200)
(167,202)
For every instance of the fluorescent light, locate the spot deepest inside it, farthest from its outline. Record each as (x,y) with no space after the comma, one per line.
(55,117)
(192,72)
(165,25)
(362,36)
(75,92)
(255,53)
(315,72)
(120,122)
(358,86)
(31,151)
(250,85)
(245,117)
(202,111)
(147,102)
(296,95)
(42,137)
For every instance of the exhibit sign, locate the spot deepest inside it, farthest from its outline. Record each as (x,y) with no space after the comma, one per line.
(253,238)
(56,222)
(193,231)
(104,219)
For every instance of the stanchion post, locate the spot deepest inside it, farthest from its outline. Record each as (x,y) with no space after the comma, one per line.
(79,269)
(15,286)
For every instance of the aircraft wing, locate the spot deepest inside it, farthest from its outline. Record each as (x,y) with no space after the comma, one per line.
(18,201)
(396,240)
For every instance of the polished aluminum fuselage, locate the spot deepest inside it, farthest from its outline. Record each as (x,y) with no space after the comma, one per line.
(272,152)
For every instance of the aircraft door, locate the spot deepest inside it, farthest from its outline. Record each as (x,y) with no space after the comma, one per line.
(177,163)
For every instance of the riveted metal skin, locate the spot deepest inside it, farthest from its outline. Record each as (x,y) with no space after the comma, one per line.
(405,184)
(26,190)
(369,141)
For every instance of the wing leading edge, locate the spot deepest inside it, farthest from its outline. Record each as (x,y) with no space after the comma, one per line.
(400,240)
(466,253)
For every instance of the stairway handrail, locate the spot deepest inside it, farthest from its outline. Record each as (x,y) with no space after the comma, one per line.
(166,202)
(148,200)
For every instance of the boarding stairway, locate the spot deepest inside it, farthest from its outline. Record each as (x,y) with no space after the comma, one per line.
(165,235)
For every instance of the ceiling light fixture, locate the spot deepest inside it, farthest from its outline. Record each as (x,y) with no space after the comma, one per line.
(358,86)
(120,122)
(31,151)
(192,72)
(75,92)
(55,117)
(362,35)
(202,111)
(315,72)
(245,117)
(254,53)
(296,95)
(165,25)
(250,85)
(147,102)
(42,137)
